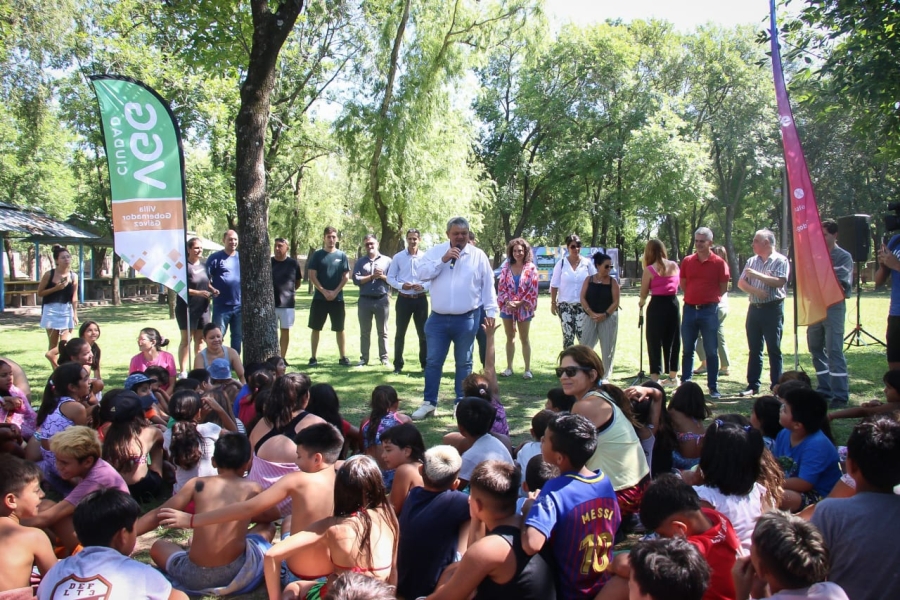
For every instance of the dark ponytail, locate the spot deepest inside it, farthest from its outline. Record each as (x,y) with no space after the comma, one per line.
(186,446)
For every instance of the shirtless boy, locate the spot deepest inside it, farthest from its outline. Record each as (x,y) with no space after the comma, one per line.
(20,488)
(218,553)
(311,489)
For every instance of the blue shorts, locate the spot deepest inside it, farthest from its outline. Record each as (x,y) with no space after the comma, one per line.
(504,315)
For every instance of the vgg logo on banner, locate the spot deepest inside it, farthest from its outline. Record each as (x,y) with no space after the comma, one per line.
(146,172)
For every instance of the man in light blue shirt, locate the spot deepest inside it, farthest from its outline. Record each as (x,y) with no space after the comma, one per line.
(412,298)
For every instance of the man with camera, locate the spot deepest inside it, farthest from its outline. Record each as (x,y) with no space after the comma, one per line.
(826,339)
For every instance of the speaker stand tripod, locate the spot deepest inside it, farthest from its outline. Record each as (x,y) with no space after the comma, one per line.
(855,337)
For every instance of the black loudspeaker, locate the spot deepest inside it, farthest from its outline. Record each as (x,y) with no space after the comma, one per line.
(854,236)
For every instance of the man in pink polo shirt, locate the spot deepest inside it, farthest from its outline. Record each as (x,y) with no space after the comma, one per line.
(704,278)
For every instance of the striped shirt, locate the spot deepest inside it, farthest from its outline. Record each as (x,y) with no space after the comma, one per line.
(775,266)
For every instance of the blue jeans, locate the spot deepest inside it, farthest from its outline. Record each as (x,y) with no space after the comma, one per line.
(765,322)
(440,331)
(693,322)
(826,344)
(230,316)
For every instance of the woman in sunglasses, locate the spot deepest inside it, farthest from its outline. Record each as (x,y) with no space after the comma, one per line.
(565,289)
(600,301)
(618,455)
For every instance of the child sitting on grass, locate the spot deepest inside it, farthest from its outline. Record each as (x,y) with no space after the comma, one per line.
(789,557)
(223,559)
(140,383)
(384,414)
(687,410)
(766,417)
(62,406)
(730,466)
(134,447)
(559,401)
(14,406)
(361,536)
(533,448)
(434,524)
(891,404)
(309,491)
(800,377)
(104,522)
(325,403)
(496,565)
(474,418)
(402,452)
(537,474)
(190,441)
(865,527)
(807,455)
(577,513)
(160,386)
(77,450)
(27,547)
(671,508)
(667,569)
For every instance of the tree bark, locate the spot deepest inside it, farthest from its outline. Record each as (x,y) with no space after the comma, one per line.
(270,31)
(116,293)
(390,236)
(12,263)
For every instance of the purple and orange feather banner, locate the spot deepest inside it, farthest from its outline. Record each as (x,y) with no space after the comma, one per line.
(816,285)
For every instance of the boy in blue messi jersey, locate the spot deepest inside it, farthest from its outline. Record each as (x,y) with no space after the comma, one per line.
(576,512)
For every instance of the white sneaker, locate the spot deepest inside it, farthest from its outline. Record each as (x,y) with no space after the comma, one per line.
(506,373)
(423,412)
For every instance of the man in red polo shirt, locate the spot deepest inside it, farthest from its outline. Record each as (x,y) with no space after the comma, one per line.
(704,278)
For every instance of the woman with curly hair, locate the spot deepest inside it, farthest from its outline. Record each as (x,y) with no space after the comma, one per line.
(517,295)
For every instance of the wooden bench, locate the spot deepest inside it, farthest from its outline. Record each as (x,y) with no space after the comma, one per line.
(21,293)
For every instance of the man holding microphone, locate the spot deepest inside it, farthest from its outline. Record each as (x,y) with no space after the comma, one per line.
(461,281)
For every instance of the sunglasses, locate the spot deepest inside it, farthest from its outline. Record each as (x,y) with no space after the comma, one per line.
(578,245)
(570,371)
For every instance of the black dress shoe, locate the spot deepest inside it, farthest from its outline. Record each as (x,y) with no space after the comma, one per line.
(749,392)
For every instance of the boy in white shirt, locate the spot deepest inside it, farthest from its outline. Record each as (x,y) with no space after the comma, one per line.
(104,522)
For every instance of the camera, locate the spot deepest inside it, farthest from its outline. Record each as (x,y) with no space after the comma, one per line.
(892,221)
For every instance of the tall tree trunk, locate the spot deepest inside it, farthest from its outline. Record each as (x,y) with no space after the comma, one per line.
(12,263)
(116,292)
(390,237)
(729,245)
(270,30)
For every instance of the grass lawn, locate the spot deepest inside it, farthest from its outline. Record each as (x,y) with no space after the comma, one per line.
(22,340)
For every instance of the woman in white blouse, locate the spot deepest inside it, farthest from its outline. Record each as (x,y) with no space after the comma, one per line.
(565,289)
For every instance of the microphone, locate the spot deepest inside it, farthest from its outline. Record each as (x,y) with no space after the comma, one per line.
(453,260)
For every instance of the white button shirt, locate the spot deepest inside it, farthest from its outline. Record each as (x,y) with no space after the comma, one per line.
(569,281)
(405,269)
(465,287)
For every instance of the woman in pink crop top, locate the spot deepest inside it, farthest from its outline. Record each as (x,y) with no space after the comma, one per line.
(663,325)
